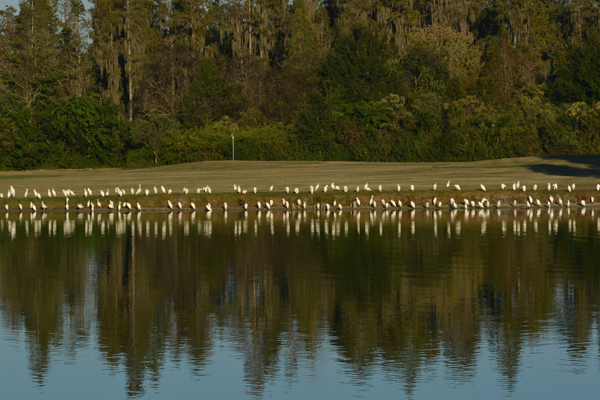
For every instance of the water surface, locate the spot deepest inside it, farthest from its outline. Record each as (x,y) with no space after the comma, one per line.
(232,305)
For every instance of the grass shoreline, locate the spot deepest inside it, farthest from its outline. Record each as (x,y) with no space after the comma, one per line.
(235,201)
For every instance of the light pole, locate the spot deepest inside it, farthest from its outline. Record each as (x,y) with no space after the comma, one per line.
(573,137)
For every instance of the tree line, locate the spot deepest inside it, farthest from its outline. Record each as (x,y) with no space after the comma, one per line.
(143,82)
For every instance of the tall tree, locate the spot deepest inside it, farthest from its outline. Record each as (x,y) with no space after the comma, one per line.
(119,32)
(30,68)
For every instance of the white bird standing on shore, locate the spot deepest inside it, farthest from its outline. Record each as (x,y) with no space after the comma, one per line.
(482,186)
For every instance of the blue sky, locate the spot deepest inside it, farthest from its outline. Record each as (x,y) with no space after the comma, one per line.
(14,3)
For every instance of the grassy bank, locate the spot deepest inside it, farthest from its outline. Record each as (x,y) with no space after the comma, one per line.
(221,176)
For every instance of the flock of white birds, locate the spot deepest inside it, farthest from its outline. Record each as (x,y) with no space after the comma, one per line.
(96,204)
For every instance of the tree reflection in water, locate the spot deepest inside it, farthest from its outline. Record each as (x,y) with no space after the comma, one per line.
(391,293)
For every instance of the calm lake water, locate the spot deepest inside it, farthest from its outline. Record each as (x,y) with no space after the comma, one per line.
(418,305)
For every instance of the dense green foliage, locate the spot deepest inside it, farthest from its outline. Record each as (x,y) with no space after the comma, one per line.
(141,82)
